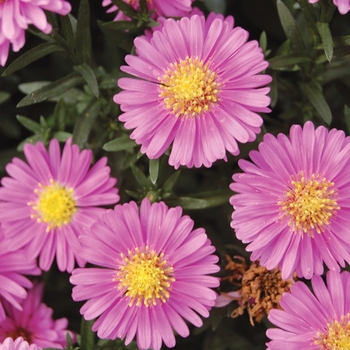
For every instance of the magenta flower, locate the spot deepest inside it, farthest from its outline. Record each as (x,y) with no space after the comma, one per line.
(34,322)
(292,201)
(154,274)
(197,88)
(18,344)
(13,265)
(17,15)
(47,202)
(343,5)
(167,8)
(313,321)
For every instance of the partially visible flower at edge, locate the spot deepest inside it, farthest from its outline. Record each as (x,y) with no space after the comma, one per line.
(34,322)
(13,265)
(16,15)
(46,203)
(166,8)
(18,344)
(291,203)
(153,274)
(313,321)
(343,5)
(197,88)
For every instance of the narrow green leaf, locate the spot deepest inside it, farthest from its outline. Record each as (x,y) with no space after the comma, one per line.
(154,170)
(32,140)
(29,124)
(143,6)
(140,177)
(53,89)
(290,27)
(327,40)
(170,182)
(127,9)
(309,14)
(85,70)
(263,41)
(121,25)
(87,336)
(32,55)
(286,61)
(62,136)
(83,40)
(347,118)
(68,28)
(119,144)
(4,96)
(85,122)
(313,92)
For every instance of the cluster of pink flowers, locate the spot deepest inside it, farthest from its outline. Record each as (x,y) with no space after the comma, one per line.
(343,5)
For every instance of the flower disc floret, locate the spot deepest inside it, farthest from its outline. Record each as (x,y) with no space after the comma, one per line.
(291,201)
(145,277)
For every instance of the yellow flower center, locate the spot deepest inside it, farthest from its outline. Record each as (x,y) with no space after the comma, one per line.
(145,277)
(336,337)
(55,205)
(309,203)
(189,88)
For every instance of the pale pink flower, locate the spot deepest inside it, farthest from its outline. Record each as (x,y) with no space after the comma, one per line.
(153,274)
(197,88)
(292,201)
(313,321)
(343,5)
(46,203)
(34,322)
(17,15)
(18,344)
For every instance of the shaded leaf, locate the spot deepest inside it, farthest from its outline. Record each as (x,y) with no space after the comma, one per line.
(89,76)
(285,61)
(53,89)
(119,144)
(170,182)
(83,41)
(87,336)
(85,122)
(140,177)
(4,96)
(62,136)
(121,25)
(127,9)
(32,55)
(327,40)
(29,124)
(31,139)
(313,92)
(68,28)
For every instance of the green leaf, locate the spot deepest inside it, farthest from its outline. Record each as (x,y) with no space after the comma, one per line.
(290,27)
(327,40)
(121,25)
(83,41)
(53,89)
(154,170)
(140,177)
(4,96)
(30,56)
(127,9)
(68,28)
(119,144)
(313,92)
(62,136)
(85,122)
(347,118)
(285,61)
(29,124)
(87,336)
(85,70)
(32,140)
(263,41)
(170,182)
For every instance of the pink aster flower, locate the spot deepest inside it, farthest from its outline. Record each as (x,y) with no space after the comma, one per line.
(46,203)
(313,321)
(292,201)
(13,265)
(343,5)
(197,87)
(34,322)
(18,344)
(154,274)
(167,8)
(17,15)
